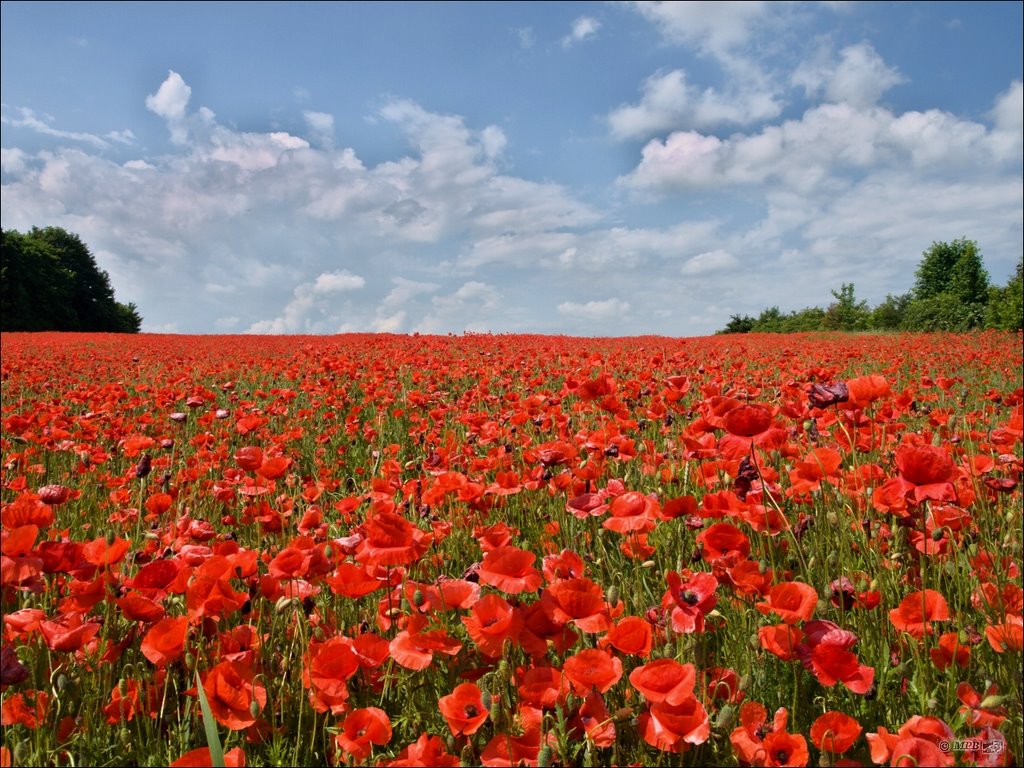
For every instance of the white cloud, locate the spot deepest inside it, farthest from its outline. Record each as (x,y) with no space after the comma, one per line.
(310,311)
(170,102)
(669,101)
(321,127)
(336,282)
(710,261)
(472,307)
(608,309)
(29,119)
(860,77)
(13,161)
(582,28)
(807,153)
(1008,116)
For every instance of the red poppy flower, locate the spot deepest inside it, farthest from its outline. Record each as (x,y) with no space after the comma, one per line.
(165,640)
(540,630)
(391,540)
(491,622)
(674,727)
(835,732)
(866,389)
(210,593)
(749,425)
(123,707)
(632,511)
(774,748)
(723,544)
(987,712)
(780,640)
(664,680)
(415,650)
(542,687)
(426,751)
(565,565)
(632,636)
(137,607)
(511,570)
(590,669)
(791,601)
(579,601)
(328,665)
(101,554)
(249,458)
(464,709)
(950,651)
(231,689)
(361,730)
(830,659)
(200,758)
(927,472)
(690,600)
(26,708)
(68,632)
(1007,636)
(916,743)
(916,612)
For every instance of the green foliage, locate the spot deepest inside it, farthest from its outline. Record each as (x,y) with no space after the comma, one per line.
(888,316)
(739,324)
(951,292)
(1005,310)
(846,313)
(50,282)
(942,312)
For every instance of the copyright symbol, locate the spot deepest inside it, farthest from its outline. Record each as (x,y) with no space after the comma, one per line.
(944,745)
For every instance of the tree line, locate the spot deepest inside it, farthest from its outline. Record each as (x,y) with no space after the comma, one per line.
(951,292)
(49,281)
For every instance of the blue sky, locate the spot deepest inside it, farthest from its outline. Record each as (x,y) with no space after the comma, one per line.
(580,168)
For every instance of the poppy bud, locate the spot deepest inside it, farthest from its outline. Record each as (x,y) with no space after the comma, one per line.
(726,717)
(991,702)
(467,757)
(613,594)
(486,699)
(122,687)
(418,599)
(544,757)
(283,604)
(111,538)
(503,673)
(744,684)
(144,466)
(254,708)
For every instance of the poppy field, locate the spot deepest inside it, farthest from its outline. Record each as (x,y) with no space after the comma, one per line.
(512,550)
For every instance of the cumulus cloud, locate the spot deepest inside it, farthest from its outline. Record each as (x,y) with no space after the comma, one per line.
(336,282)
(472,307)
(806,153)
(311,309)
(583,28)
(321,127)
(607,309)
(859,77)
(169,102)
(669,101)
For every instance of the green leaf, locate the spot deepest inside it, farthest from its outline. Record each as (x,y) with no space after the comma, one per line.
(210,726)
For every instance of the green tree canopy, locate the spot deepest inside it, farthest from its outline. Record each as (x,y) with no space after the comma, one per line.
(50,282)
